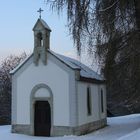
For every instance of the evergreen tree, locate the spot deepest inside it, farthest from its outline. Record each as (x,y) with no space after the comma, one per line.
(111,29)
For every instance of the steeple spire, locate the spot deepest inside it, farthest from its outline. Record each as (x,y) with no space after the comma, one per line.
(41,41)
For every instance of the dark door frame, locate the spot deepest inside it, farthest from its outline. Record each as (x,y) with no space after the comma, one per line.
(42,118)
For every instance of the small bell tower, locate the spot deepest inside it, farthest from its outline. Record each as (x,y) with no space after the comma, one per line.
(41,40)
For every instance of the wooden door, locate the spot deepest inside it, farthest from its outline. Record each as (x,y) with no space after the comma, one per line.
(42,118)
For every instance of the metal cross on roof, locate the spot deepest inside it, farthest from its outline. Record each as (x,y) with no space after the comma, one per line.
(40,11)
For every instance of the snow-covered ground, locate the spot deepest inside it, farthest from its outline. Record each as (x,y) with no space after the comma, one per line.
(119,128)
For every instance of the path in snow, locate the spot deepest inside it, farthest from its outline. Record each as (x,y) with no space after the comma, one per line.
(119,128)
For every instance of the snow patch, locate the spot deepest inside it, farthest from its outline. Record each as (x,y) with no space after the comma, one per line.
(119,128)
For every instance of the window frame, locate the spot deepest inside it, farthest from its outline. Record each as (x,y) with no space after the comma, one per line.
(89,101)
(102,100)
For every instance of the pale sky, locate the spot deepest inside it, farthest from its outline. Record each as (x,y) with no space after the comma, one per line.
(17,20)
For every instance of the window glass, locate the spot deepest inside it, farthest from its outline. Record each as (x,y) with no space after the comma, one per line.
(88,101)
(102,101)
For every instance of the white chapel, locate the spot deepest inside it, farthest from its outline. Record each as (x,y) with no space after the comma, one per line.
(54,95)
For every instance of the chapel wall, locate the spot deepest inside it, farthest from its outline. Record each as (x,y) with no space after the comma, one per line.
(54,77)
(96,114)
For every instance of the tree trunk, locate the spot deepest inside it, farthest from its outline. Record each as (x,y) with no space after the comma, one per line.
(137,13)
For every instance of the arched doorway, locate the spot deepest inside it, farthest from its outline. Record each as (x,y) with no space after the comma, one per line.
(42,118)
(41,97)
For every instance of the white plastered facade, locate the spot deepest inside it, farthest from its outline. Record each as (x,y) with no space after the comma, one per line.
(69,95)
(54,76)
(96,113)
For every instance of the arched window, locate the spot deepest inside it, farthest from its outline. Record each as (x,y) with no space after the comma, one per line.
(89,101)
(102,101)
(40,38)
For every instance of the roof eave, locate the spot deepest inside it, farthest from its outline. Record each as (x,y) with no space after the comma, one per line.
(92,80)
(64,62)
(12,72)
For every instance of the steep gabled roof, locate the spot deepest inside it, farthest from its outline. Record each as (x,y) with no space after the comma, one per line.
(75,64)
(86,74)
(44,24)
